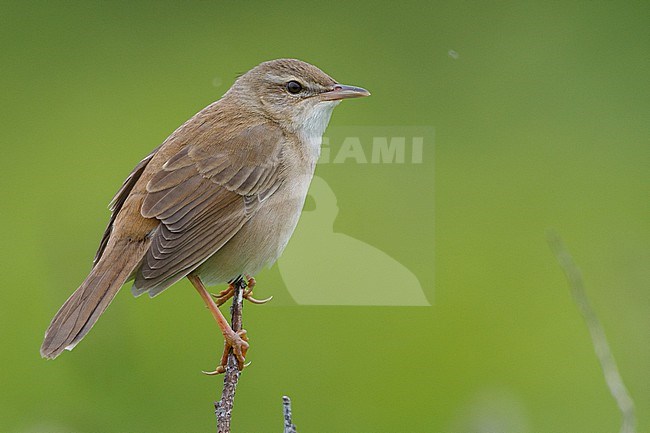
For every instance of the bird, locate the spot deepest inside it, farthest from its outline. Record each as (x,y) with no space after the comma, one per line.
(216,202)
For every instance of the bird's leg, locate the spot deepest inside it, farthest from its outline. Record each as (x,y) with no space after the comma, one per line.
(237,341)
(227,293)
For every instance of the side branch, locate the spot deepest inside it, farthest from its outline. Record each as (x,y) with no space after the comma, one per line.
(289,426)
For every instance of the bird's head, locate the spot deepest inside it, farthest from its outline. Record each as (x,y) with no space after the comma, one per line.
(298,96)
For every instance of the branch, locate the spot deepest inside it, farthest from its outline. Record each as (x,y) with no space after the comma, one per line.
(289,427)
(223,408)
(599,340)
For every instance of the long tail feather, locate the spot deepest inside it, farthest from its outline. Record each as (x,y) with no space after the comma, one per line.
(80,312)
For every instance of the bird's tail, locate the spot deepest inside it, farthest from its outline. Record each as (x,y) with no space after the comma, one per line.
(90,300)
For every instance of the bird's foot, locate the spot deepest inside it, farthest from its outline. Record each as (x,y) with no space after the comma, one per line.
(248,292)
(221,297)
(228,293)
(238,343)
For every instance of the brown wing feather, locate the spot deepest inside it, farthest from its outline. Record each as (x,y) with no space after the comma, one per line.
(118,201)
(203,196)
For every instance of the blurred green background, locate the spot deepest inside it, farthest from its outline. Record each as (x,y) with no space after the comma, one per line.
(541,118)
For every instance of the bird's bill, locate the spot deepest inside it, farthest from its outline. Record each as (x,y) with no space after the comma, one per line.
(341,91)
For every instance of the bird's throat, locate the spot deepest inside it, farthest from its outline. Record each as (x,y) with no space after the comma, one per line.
(312,125)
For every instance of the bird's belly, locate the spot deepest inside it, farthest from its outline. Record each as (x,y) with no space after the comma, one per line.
(259,242)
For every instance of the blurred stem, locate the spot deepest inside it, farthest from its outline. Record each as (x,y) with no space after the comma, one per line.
(599,340)
(223,408)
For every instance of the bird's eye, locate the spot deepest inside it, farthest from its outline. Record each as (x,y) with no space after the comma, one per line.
(294,87)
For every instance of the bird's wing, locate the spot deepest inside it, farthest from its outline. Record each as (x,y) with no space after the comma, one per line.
(118,201)
(202,197)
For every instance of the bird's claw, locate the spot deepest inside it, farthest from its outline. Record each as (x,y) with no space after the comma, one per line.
(228,293)
(221,297)
(238,343)
(248,296)
(218,371)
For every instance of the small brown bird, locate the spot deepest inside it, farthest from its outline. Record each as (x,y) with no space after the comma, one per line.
(217,201)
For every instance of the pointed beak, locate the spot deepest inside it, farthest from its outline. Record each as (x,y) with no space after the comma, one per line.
(341,91)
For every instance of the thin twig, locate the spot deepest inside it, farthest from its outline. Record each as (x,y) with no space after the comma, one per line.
(599,340)
(289,427)
(223,408)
